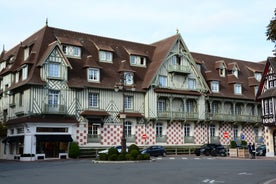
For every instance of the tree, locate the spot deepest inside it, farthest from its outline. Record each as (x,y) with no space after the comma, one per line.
(271,30)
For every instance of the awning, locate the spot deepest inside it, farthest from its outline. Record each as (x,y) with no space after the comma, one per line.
(54,138)
(11,139)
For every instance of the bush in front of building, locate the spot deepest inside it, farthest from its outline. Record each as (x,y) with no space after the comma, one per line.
(74,150)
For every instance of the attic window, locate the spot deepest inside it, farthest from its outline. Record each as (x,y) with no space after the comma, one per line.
(26,53)
(215,86)
(105,56)
(237,89)
(235,72)
(24,72)
(71,51)
(137,60)
(258,76)
(93,75)
(222,72)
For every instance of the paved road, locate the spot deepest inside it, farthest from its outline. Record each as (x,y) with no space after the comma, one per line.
(169,170)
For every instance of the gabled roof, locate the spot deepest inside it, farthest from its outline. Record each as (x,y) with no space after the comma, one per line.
(271,61)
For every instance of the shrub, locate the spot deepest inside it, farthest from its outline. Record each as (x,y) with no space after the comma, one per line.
(134,153)
(103,156)
(113,157)
(122,156)
(133,147)
(112,151)
(146,157)
(233,144)
(74,150)
(243,144)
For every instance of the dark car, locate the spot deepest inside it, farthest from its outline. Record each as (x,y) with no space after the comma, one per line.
(211,149)
(261,150)
(155,151)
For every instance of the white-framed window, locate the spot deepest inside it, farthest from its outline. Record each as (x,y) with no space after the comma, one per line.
(258,76)
(93,99)
(94,129)
(128,76)
(26,53)
(105,56)
(161,105)
(235,72)
(189,106)
(256,88)
(215,86)
(222,72)
(235,131)
(187,129)
(212,130)
(137,60)
(159,129)
(71,51)
(237,89)
(128,126)
(215,107)
(53,98)
(93,74)
(191,83)
(162,81)
(54,70)
(24,72)
(17,77)
(128,102)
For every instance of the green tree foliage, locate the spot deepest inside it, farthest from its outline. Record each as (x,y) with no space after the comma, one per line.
(271,30)
(74,150)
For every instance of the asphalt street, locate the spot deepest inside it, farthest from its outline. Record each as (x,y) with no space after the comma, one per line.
(163,170)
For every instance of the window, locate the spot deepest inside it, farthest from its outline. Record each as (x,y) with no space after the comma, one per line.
(93,75)
(189,106)
(93,100)
(53,98)
(212,130)
(128,76)
(54,70)
(161,105)
(137,60)
(238,110)
(71,51)
(26,53)
(215,107)
(159,129)
(191,83)
(24,72)
(222,72)
(162,81)
(93,129)
(215,86)
(258,76)
(187,128)
(256,88)
(105,56)
(128,129)
(238,89)
(128,102)
(176,60)
(235,72)
(20,99)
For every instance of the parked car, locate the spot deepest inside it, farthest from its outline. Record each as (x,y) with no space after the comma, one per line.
(119,149)
(211,149)
(155,151)
(261,150)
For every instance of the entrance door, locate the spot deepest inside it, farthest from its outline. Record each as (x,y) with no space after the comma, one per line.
(51,149)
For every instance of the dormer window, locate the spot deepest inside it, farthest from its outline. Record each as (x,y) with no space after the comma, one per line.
(237,89)
(222,72)
(93,75)
(137,60)
(128,76)
(71,51)
(176,60)
(24,72)
(215,86)
(235,72)
(54,70)
(105,56)
(26,53)
(258,76)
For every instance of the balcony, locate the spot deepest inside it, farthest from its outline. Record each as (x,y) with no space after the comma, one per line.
(214,139)
(54,109)
(179,69)
(234,118)
(93,138)
(130,138)
(161,139)
(177,115)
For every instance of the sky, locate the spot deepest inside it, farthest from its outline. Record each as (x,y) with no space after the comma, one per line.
(228,28)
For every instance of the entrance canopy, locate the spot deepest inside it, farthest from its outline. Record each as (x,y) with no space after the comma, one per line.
(54,138)
(12,139)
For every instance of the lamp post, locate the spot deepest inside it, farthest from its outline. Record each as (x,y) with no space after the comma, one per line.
(121,86)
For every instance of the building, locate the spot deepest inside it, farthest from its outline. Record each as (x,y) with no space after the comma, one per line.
(266,95)
(57,86)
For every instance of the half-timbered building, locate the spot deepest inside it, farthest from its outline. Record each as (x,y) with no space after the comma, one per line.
(57,86)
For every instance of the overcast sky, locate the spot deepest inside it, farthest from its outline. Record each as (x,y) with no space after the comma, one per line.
(228,28)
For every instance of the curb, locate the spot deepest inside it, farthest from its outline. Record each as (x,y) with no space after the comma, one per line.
(121,162)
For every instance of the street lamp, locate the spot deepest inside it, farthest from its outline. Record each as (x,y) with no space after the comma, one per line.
(121,86)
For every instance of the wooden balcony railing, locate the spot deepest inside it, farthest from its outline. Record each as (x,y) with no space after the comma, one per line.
(54,109)
(93,138)
(179,69)
(178,115)
(234,117)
